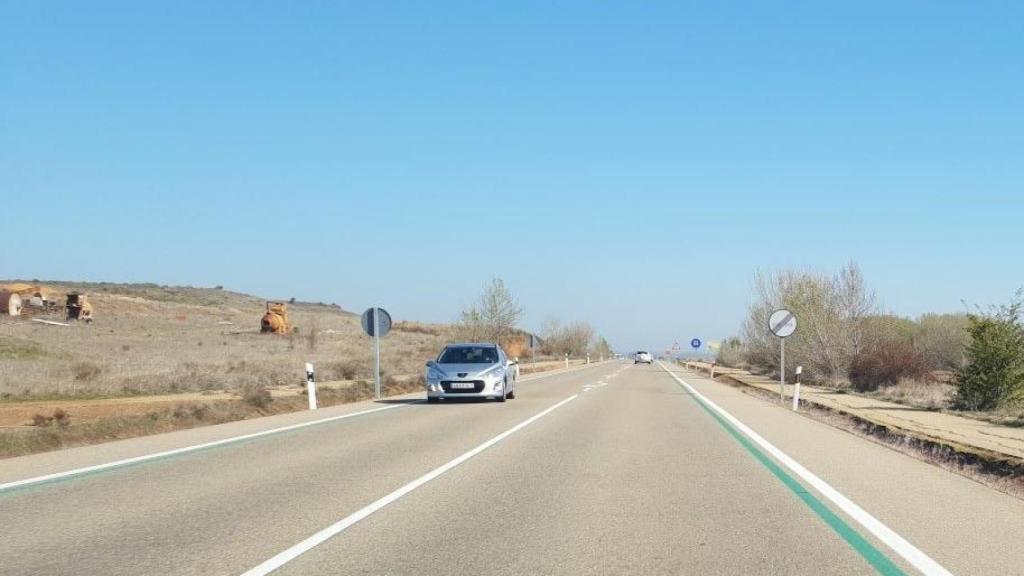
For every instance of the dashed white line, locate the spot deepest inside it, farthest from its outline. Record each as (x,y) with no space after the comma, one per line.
(337,528)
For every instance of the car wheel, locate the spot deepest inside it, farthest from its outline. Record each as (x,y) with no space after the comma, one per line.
(512,392)
(503,393)
(432,400)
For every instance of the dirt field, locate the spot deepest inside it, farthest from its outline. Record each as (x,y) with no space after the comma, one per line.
(152,340)
(163,358)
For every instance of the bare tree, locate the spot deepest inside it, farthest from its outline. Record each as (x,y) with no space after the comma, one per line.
(494,317)
(573,339)
(831,311)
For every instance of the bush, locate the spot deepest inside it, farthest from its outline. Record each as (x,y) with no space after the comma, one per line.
(257,396)
(942,339)
(731,354)
(993,375)
(85,371)
(886,362)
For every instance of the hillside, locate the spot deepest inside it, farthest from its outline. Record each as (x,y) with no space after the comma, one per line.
(150,339)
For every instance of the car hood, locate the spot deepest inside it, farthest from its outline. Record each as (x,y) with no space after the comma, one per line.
(470,370)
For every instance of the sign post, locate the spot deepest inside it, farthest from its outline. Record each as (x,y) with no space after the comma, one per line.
(376,323)
(696,343)
(782,323)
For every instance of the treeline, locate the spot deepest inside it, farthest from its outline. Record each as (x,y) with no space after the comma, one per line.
(496,315)
(844,339)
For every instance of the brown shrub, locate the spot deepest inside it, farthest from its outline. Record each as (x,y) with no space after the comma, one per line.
(62,418)
(417,328)
(85,371)
(257,396)
(41,420)
(885,363)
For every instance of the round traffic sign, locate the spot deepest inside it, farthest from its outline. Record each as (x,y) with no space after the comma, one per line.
(782,323)
(696,343)
(374,317)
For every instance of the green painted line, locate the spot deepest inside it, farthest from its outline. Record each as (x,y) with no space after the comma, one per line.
(861,545)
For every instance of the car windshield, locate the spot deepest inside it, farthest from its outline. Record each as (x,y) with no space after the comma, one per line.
(469,355)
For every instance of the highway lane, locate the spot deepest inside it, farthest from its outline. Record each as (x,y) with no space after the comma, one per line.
(632,478)
(628,476)
(222,510)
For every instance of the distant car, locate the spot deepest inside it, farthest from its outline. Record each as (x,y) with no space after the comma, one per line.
(644,357)
(478,370)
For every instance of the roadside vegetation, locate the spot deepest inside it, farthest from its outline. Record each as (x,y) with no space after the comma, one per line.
(160,358)
(845,340)
(496,315)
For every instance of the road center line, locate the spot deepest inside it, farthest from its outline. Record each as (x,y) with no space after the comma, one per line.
(333,530)
(918,559)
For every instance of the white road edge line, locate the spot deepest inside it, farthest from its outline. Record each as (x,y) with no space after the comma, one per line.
(897,543)
(186,449)
(322,536)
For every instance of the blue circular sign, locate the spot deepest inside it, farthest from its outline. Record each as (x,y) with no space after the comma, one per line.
(695,343)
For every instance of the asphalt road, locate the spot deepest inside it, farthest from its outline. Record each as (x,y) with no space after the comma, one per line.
(613,469)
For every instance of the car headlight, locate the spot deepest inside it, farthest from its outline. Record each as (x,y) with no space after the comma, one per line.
(435,375)
(496,372)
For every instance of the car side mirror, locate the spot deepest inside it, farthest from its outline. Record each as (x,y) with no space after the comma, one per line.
(430,363)
(513,362)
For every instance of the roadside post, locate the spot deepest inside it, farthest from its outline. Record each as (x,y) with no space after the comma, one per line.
(566,360)
(796,387)
(782,323)
(588,357)
(376,323)
(310,386)
(533,349)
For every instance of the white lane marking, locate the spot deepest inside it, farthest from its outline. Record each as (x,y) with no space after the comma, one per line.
(193,448)
(337,528)
(185,449)
(897,543)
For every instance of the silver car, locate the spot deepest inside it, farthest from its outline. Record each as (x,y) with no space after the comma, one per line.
(472,371)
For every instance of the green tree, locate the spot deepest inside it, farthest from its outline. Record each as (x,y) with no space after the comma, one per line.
(993,375)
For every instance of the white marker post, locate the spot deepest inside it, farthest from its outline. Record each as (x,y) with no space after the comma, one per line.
(796,388)
(310,386)
(566,360)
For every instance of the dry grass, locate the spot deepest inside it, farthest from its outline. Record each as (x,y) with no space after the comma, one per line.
(52,432)
(921,394)
(1006,478)
(148,339)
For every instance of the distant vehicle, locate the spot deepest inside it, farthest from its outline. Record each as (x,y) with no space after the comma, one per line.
(642,356)
(480,370)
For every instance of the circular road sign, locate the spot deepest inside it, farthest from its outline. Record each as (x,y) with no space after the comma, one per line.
(782,323)
(695,343)
(371,318)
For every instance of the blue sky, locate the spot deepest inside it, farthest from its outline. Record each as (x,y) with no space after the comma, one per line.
(631,165)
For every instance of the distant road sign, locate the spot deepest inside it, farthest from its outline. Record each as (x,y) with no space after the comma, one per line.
(369,323)
(696,343)
(782,323)
(675,347)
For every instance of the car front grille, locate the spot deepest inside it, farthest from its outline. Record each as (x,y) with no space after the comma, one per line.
(478,387)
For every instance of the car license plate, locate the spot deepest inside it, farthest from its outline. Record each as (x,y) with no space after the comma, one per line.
(462,385)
